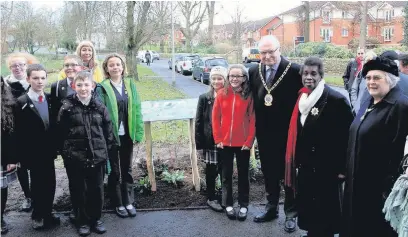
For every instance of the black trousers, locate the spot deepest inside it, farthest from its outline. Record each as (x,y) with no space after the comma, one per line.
(42,188)
(121,186)
(23,178)
(71,169)
(4,193)
(242,158)
(88,185)
(273,171)
(211,173)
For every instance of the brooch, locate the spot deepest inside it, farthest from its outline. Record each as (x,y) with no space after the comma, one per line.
(314,111)
(62,88)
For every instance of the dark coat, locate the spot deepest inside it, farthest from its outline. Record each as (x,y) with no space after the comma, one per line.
(203,125)
(17,89)
(38,141)
(85,132)
(272,123)
(321,150)
(349,74)
(58,96)
(375,150)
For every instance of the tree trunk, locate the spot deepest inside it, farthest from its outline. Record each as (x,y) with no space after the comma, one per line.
(162,45)
(211,12)
(307,21)
(363,25)
(131,62)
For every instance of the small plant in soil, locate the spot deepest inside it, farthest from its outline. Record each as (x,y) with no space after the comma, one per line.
(254,170)
(173,177)
(144,186)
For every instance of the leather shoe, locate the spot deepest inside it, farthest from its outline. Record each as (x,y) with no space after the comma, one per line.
(38,224)
(242,215)
(290,225)
(84,230)
(231,214)
(4,227)
(131,211)
(215,205)
(98,227)
(266,216)
(121,213)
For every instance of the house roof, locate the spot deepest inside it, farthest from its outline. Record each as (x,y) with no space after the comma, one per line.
(315,5)
(394,3)
(255,25)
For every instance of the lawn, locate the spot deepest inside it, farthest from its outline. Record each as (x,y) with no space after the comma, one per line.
(334,80)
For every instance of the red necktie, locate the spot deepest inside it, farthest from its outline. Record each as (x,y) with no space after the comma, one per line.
(40,98)
(72,85)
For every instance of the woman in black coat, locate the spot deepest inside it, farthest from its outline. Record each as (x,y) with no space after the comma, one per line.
(375,151)
(204,136)
(316,148)
(8,143)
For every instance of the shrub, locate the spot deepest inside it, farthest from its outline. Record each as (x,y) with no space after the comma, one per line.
(145,186)
(382,49)
(321,49)
(371,42)
(176,177)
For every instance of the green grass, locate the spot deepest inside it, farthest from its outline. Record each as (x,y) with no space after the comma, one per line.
(334,80)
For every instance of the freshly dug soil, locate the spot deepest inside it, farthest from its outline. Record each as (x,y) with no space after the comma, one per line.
(171,156)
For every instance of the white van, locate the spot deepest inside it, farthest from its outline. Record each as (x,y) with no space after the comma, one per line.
(251,55)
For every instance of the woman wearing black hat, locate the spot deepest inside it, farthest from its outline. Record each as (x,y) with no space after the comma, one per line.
(376,148)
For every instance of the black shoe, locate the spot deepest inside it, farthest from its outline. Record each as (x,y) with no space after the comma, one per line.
(84,230)
(290,225)
(215,205)
(266,216)
(26,206)
(132,211)
(121,213)
(242,215)
(4,227)
(231,214)
(52,220)
(98,227)
(38,223)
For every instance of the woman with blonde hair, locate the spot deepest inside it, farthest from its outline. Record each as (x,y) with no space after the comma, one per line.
(86,51)
(18,85)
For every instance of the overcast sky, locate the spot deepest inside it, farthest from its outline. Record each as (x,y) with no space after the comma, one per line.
(252,9)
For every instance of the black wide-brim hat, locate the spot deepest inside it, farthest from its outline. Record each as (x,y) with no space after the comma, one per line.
(382,64)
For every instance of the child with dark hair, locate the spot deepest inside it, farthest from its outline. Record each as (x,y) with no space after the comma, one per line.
(8,144)
(34,129)
(85,130)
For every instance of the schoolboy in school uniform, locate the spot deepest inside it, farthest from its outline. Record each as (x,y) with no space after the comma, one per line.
(34,129)
(87,141)
(60,90)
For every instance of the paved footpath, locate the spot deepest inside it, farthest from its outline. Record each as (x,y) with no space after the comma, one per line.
(180,223)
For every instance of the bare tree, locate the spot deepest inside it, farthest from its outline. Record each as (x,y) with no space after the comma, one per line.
(193,13)
(363,25)
(306,31)
(161,13)
(112,23)
(211,13)
(237,32)
(7,9)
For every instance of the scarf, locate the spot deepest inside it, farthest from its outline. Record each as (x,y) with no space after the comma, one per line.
(23,82)
(303,105)
(359,66)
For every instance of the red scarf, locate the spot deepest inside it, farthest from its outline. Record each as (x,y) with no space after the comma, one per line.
(359,66)
(290,168)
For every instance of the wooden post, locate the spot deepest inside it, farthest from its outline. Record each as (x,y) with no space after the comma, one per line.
(149,152)
(193,156)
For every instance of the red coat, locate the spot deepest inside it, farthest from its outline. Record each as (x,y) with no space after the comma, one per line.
(233,119)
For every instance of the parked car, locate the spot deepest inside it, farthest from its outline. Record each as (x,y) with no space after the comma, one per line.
(202,67)
(184,64)
(141,55)
(62,51)
(155,55)
(251,55)
(176,57)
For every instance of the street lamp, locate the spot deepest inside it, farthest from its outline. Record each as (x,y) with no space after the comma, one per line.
(173,73)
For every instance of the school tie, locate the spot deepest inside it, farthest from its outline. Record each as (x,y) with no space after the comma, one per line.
(40,98)
(72,85)
(270,77)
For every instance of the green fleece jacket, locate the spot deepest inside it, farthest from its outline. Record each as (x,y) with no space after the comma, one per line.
(134,112)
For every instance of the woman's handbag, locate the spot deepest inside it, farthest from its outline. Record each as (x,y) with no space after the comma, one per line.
(7,177)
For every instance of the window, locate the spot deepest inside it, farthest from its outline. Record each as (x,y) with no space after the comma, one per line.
(326,15)
(326,34)
(250,34)
(344,14)
(389,14)
(388,33)
(367,31)
(344,32)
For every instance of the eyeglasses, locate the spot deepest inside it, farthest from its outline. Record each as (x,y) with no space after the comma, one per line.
(70,65)
(271,52)
(360,53)
(236,76)
(20,65)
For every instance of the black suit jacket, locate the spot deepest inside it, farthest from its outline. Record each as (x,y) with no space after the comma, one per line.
(203,122)
(36,139)
(272,122)
(58,97)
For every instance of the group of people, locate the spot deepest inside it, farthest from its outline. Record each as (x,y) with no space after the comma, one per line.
(93,123)
(338,162)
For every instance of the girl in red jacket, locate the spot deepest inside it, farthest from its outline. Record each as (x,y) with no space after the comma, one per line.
(234,132)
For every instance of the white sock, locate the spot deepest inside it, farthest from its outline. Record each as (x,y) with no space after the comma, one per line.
(130,206)
(121,208)
(229,208)
(243,210)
